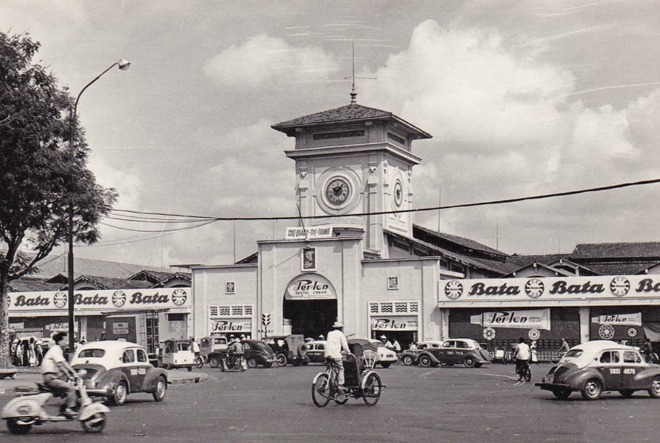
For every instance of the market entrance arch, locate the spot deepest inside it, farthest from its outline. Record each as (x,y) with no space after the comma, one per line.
(310,305)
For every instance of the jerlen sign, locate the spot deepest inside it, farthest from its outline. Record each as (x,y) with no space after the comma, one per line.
(310,287)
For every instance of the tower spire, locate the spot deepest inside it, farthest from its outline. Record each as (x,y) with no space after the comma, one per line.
(353,93)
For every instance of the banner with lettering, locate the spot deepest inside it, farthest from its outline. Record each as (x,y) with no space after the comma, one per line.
(394,323)
(100,301)
(619,319)
(310,287)
(566,291)
(522,319)
(229,325)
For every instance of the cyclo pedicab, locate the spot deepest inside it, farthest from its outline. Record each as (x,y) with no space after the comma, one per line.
(360,380)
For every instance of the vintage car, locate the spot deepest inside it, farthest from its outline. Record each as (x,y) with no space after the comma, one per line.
(315,351)
(386,357)
(599,366)
(114,369)
(410,357)
(174,354)
(288,349)
(256,353)
(455,351)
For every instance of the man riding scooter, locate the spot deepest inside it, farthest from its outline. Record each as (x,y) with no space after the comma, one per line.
(55,370)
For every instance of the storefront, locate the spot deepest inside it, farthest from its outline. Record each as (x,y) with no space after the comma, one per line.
(145,316)
(499,311)
(397,320)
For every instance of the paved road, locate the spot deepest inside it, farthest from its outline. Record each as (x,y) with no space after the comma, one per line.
(436,404)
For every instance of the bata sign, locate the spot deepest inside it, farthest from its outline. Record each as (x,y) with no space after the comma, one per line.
(527,319)
(394,323)
(105,300)
(310,287)
(548,289)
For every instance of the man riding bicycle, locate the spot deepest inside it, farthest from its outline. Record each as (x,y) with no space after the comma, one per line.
(522,355)
(335,345)
(647,349)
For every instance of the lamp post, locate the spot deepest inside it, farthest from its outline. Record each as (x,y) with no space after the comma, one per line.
(123,65)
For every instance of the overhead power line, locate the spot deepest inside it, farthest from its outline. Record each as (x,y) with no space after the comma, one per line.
(402,211)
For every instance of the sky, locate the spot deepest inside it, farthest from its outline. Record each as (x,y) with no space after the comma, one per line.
(522,98)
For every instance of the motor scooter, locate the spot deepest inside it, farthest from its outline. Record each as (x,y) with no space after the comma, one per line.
(29,409)
(233,362)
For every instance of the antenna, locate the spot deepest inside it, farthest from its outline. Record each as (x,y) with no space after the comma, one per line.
(353,94)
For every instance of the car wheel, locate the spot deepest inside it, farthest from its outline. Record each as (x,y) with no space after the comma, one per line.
(385,365)
(424,361)
(161,389)
(281,360)
(562,393)
(119,394)
(592,389)
(627,392)
(407,360)
(214,362)
(655,387)
(469,362)
(252,363)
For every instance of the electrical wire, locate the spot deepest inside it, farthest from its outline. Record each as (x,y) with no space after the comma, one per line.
(402,211)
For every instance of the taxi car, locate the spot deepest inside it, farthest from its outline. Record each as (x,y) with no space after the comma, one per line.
(386,357)
(455,351)
(114,369)
(315,351)
(410,357)
(601,366)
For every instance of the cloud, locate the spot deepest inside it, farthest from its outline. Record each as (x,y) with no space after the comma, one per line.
(504,126)
(267,62)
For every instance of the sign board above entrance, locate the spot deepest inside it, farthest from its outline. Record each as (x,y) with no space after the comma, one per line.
(523,319)
(308,233)
(310,287)
(100,301)
(628,289)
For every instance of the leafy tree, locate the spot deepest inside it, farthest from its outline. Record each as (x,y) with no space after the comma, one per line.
(43,171)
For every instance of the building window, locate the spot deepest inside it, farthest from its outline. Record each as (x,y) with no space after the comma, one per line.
(176,317)
(230,287)
(399,307)
(392,283)
(230,311)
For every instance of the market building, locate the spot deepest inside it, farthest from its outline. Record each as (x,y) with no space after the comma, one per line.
(362,261)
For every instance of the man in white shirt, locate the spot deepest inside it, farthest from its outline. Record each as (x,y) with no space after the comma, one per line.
(335,345)
(54,367)
(522,355)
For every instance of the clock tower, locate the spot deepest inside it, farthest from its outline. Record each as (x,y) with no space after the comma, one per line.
(354,167)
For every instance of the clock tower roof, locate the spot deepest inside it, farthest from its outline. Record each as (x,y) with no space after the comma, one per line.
(352,113)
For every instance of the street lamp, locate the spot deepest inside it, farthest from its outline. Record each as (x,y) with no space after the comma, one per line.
(123,65)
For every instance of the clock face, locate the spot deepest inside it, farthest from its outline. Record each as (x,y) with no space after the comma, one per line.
(337,191)
(398,193)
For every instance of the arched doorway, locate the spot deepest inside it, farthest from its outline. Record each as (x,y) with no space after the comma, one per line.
(310,317)
(310,305)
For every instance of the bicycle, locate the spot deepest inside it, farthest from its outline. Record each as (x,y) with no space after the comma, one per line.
(365,384)
(523,370)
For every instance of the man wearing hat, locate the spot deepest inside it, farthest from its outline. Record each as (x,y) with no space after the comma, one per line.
(335,345)
(386,342)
